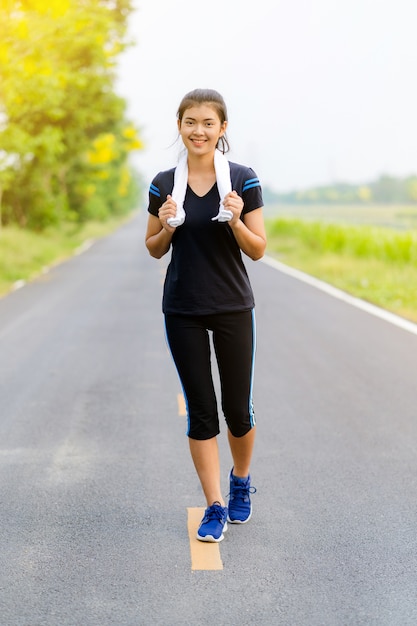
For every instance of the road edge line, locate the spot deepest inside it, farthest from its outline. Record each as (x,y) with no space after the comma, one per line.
(372,309)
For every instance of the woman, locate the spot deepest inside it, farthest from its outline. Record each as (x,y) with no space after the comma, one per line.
(207,289)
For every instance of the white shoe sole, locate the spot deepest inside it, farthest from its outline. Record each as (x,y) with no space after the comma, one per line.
(238,521)
(210,538)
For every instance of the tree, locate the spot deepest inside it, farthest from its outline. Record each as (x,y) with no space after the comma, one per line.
(57,70)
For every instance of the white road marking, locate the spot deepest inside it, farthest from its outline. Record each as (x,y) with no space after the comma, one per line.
(342,295)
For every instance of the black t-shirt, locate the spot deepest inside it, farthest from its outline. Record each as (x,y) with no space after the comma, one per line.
(206,273)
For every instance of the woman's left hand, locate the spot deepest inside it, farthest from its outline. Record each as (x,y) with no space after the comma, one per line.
(234,203)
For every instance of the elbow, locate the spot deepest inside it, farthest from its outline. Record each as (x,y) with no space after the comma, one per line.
(258,252)
(257,256)
(153,253)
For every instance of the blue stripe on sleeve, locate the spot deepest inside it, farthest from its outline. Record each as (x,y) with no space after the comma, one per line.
(154,190)
(252,182)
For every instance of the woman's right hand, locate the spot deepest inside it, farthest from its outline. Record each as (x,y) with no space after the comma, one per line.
(167,210)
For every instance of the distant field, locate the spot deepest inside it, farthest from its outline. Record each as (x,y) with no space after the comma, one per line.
(390,216)
(370,254)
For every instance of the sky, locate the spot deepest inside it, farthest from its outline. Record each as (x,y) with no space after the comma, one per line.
(317,91)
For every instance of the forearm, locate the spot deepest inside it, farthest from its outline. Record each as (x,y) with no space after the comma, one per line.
(158,244)
(249,242)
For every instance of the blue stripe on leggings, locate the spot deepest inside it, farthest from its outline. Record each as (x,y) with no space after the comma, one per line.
(252,375)
(183,391)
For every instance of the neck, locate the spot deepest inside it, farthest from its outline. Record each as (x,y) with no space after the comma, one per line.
(201,164)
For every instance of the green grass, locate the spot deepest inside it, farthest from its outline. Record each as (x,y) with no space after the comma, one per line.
(374,263)
(24,254)
(371,262)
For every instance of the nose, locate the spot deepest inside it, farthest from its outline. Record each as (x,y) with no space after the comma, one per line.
(198,130)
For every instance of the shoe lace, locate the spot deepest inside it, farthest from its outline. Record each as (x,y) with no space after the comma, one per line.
(215,511)
(241,491)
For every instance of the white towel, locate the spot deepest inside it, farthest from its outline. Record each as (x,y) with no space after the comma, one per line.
(224,186)
(178,192)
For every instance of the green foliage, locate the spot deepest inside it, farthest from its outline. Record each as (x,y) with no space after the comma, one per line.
(359,241)
(57,70)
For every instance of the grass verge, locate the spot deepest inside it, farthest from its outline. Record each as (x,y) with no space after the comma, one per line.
(25,254)
(373,263)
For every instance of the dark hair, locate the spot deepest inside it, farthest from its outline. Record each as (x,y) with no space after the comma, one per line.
(213,98)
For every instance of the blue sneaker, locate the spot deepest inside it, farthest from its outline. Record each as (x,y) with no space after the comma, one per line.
(240,507)
(213,524)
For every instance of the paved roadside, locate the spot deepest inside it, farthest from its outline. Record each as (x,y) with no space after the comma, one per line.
(96,480)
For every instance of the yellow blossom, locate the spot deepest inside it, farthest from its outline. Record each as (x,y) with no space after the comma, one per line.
(103,149)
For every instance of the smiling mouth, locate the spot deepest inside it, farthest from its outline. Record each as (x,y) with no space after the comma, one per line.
(198,141)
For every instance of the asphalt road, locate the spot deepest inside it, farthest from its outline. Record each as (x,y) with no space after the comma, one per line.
(95,474)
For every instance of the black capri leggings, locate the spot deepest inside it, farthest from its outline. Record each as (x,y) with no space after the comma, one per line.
(234,340)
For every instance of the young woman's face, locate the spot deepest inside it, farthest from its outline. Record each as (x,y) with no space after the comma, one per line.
(201,128)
